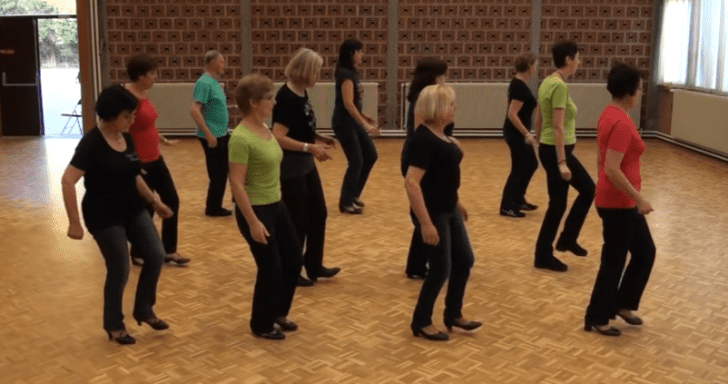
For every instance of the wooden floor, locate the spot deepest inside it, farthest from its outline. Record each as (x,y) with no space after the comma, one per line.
(355,328)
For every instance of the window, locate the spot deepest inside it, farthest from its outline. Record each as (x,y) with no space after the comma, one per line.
(693,44)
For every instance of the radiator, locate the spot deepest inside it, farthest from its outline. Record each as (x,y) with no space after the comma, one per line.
(482,107)
(173,101)
(700,119)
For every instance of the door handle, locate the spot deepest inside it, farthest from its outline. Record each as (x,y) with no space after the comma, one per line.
(6,84)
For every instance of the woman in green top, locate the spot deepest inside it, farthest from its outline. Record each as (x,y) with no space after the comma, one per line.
(255,165)
(558,138)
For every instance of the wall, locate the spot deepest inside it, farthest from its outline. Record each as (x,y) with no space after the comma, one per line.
(478,38)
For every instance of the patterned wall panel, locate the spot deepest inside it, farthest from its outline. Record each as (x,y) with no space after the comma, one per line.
(280,27)
(477,38)
(177,33)
(607,31)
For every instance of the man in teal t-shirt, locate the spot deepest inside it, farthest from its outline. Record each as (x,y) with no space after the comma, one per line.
(209,111)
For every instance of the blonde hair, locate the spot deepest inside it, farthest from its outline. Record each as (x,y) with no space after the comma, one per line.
(251,88)
(304,67)
(433,102)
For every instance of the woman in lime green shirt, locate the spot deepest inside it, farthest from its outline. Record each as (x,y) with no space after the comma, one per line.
(255,172)
(558,137)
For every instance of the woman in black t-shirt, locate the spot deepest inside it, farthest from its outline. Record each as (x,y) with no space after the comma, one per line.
(517,132)
(428,71)
(431,166)
(294,126)
(113,210)
(352,127)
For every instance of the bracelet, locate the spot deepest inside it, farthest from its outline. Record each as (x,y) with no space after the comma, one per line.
(305,147)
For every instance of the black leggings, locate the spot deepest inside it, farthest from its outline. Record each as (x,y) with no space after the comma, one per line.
(279,265)
(558,189)
(361,154)
(523,165)
(625,230)
(304,199)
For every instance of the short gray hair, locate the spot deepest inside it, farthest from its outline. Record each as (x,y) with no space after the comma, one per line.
(211,56)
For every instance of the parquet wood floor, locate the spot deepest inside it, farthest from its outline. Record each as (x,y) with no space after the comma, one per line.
(355,328)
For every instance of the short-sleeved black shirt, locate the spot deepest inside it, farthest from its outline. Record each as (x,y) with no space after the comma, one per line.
(518,90)
(296,114)
(441,161)
(112,197)
(341,116)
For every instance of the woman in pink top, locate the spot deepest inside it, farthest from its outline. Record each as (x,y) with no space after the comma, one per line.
(142,71)
(622,209)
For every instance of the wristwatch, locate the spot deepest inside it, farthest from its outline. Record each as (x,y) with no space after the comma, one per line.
(305,147)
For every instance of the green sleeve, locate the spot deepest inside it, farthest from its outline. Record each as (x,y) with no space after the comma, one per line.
(238,150)
(560,95)
(201,92)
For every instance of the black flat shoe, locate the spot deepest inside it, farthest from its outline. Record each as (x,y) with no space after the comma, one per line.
(611,331)
(272,335)
(575,248)
(554,264)
(155,323)
(328,272)
(528,207)
(512,213)
(286,325)
(359,203)
(632,320)
(465,325)
(222,212)
(352,210)
(304,282)
(177,259)
(138,261)
(439,336)
(123,338)
(417,275)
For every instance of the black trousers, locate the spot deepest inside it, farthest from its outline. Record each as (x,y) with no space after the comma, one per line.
(416,257)
(523,165)
(304,199)
(112,241)
(625,230)
(361,154)
(558,190)
(450,259)
(216,160)
(157,176)
(279,265)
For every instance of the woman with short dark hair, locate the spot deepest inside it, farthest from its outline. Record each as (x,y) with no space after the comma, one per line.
(618,291)
(113,210)
(558,139)
(517,132)
(142,71)
(352,127)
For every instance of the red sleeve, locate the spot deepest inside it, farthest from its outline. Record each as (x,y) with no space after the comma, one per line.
(620,137)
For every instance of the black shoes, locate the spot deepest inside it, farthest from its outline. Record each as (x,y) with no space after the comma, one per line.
(155,323)
(573,248)
(177,259)
(222,212)
(512,213)
(352,210)
(632,320)
(464,324)
(439,336)
(611,331)
(417,275)
(304,282)
(123,338)
(358,203)
(553,264)
(328,272)
(528,207)
(286,325)
(272,335)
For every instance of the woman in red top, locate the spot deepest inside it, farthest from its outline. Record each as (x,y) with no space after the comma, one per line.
(622,209)
(142,71)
